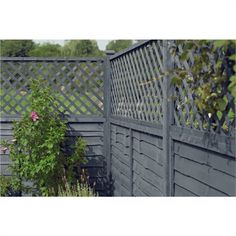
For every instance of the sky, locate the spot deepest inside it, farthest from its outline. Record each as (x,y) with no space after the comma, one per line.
(101,43)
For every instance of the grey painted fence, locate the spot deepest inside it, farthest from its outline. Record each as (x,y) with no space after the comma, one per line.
(140,141)
(162,146)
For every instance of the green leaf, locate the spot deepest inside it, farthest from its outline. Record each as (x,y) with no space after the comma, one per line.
(232,89)
(233,57)
(221,104)
(234,68)
(176,81)
(233,78)
(219,43)
(219,114)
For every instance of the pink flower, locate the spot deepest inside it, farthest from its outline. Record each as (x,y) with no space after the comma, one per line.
(34,116)
(3,150)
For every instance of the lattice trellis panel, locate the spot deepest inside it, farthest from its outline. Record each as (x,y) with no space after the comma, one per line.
(186,113)
(79,83)
(137,83)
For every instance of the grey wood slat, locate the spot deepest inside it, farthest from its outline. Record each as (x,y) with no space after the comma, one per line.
(146,93)
(130,49)
(156,46)
(142,91)
(116,152)
(122,179)
(124,87)
(138,192)
(149,150)
(148,138)
(136,82)
(148,188)
(148,176)
(158,117)
(149,164)
(205,174)
(116,163)
(78,97)
(145,60)
(118,91)
(121,93)
(129,88)
(137,125)
(114,93)
(195,186)
(181,192)
(219,162)
(88,78)
(214,142)
(86,126)
(87,97)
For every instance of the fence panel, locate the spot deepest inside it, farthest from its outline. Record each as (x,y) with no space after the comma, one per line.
(152,139)
(78,81)
(182,152)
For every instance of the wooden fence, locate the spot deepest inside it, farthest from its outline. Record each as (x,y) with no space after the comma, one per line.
(140,141)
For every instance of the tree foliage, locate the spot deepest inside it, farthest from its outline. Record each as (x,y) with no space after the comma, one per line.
(119,45)
(81,48)
(72,48)
(16,48)
(46,50)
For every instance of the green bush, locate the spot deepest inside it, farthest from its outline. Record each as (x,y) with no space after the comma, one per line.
(37,154)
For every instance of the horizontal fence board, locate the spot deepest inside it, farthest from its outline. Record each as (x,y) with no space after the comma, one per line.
(149,164)
(181,192)
(148,138)
(148,150)
(145,127)
(213,142)
(195,186)
(122,146)
(218,161)
(123,168)
(149,176)
(86,127)
(206,174)
(148,188)
(120,155)
(137,191)
(121,178)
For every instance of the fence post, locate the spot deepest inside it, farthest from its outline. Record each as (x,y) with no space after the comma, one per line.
(167,119)
(131,160)
(107,113)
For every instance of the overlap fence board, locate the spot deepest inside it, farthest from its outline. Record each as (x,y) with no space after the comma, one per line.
(145,135)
